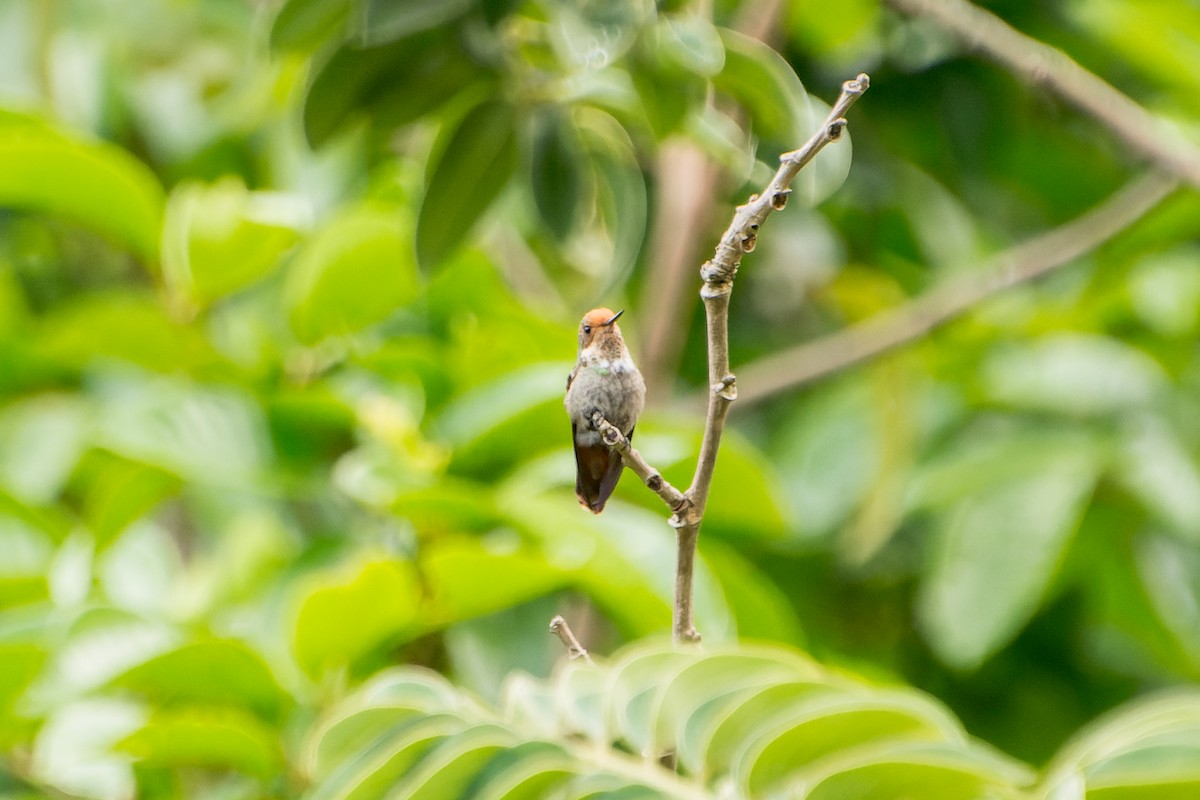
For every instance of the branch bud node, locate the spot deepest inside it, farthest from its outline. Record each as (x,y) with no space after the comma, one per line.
(779,199)
(836,128)
(654,482)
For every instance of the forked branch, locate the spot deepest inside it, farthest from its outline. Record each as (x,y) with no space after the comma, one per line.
(717,274)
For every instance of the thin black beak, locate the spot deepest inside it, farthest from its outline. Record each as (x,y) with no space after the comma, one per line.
(614,318)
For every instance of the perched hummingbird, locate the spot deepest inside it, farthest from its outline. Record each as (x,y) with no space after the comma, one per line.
(605,380)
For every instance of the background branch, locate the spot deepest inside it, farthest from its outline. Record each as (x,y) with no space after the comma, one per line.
(1144,133)
(686,180)
(810,361)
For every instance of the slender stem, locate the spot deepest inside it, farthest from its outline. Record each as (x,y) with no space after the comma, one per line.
(560,628)
(804,363)
(1146,134)
(718,274)
(687,508)
(612,437)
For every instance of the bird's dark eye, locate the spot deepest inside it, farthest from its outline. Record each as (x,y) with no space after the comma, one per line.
(587,328)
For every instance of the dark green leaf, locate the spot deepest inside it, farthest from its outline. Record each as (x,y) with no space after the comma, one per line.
(393,84)
(477,158)
(556,171)
(999,548)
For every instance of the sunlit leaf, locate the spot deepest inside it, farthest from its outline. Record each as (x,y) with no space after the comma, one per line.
(184,676)
(109,190)
(345,614)
(206,737)
(221,238)
(305,24)
(354,272)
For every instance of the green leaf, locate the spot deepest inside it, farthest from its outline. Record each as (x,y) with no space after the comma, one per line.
(455,571)
(998,549)
(223,738)
(935,772)
(821,726)
(388,20)
(1153,464)
(781,721)
(689,44)
(129,326)
(41,440)
(621,199)
(1075,374)
(556,172)
(767,87)
(1147,748)
(185,676)
(204,434)
(344,615)
(374,771)
(452,765)
(306,24)
(23,652)
(393,84)
(487,427)
(96,184)
(220,238)
(116,492)
(354,272)
(828,452)
(477,157)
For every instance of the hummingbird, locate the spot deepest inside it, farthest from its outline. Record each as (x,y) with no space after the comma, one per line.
(605,379)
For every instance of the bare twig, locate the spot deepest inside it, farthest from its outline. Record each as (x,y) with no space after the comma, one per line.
(687,508)
(676,500)
(718,274)
(811,361)
(560,628)
(1143,132)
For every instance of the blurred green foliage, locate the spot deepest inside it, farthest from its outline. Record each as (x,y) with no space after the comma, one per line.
(287,300)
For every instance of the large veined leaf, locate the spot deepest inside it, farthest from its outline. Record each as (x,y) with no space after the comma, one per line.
(598,730)
(1147,749)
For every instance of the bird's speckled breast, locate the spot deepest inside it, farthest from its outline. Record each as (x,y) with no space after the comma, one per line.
(614,387)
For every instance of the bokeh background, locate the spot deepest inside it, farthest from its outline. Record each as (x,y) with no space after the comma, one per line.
(288,293)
